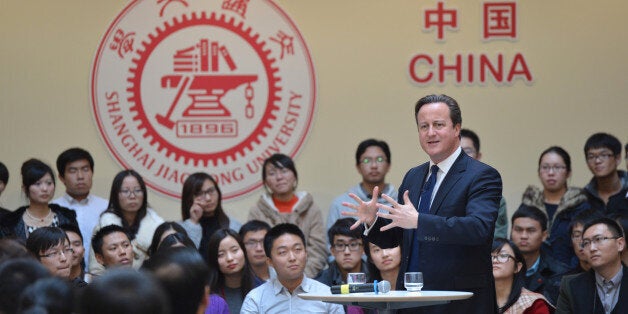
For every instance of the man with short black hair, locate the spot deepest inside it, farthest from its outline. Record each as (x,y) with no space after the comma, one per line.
(470,144)
(529,230)
(76,168)
(347,248)
(252,234)
(112,247)
(372,160)
(576,227)
(608,189)
(285,247)
(604,288)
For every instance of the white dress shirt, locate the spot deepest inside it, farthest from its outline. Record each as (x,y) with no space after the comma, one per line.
(272,297)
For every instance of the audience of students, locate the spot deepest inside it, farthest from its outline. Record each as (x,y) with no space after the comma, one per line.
(557,231)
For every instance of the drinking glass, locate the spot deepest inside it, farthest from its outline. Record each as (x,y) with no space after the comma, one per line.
(413,281)
(355,278)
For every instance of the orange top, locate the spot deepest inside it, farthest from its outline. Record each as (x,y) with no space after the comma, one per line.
(285,206)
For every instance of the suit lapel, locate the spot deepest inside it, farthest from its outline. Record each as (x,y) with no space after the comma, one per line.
(453,176)
(415,194)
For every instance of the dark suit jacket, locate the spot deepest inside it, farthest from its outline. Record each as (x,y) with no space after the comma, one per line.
(578,294)
(455,237)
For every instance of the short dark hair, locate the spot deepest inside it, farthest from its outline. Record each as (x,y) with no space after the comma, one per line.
(280,161)
(279,230)
(15,276)
(603,140)
(72,155)
(11,249)
(159,232)
(473,137)
(253,226)
(343,227)
(72,228)
(114,201)
(525,211)
(560,152)
(174,239)
(32,170)
(54,294)
(454,110)
(4,173)
(584,217)
(368,143)
(124,291)
(613,226)
(622,219)
(184,275)
(44,238)
(97,239)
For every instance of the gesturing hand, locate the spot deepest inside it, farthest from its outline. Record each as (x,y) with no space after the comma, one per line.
(364,212)
(405,216)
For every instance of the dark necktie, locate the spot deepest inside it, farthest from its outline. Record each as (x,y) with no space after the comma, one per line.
(424,207)
(426,192)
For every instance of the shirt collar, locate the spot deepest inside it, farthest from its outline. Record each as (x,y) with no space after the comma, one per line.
(446,164)
(278,288)
(616,280)
(534,267)
(72,200)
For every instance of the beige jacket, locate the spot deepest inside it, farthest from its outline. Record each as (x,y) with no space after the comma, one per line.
(308,217)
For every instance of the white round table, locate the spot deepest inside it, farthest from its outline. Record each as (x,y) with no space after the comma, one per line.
(386,302)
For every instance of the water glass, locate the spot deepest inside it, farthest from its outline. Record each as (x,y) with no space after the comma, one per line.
(413,281)
(356,278)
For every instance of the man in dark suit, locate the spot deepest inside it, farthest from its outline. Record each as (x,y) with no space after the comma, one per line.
(450,239)
(604,288)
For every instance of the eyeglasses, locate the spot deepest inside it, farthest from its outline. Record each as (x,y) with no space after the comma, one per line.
(251,244)
(127,193)
(555,168)
(501,258)
(353,246)
(55,254)
(209,192)
(597,240)
(603,157)
(378,160)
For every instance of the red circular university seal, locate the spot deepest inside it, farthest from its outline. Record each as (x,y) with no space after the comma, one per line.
(216,85)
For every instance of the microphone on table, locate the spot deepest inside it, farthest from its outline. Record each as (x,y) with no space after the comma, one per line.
(377,287)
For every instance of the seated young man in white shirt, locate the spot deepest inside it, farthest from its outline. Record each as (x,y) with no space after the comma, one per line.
(284,245)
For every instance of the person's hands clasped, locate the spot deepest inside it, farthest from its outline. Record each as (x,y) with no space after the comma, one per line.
(364,212)
(404,216)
